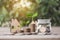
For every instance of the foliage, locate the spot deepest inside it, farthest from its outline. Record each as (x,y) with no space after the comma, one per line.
(4,16)
(50,9)
(38,9)
(9,11)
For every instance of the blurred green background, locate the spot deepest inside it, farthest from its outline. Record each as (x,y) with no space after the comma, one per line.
(38,9)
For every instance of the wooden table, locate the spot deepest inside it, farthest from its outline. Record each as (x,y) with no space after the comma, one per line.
(30,37)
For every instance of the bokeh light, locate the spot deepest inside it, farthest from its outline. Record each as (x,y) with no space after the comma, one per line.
(22,3)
